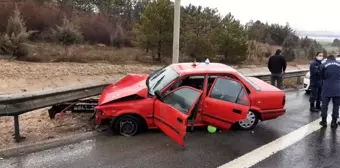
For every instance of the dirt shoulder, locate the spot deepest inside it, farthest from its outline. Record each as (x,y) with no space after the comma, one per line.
(19,76)
(26,77)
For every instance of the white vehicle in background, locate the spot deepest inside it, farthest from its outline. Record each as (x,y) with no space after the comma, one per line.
(306,86)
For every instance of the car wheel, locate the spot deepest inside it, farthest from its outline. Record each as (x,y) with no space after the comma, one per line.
(307,91)
(127,125)
(250,122)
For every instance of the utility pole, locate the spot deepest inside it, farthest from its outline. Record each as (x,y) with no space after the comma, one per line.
(175,45)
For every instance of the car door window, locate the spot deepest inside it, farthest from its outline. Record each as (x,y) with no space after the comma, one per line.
(211,79)
(229,90)
(182,99)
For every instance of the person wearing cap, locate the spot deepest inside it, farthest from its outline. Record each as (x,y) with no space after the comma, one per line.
(315,83)
(277,66)
(330,74)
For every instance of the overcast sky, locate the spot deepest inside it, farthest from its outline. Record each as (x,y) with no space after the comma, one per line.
(303,15)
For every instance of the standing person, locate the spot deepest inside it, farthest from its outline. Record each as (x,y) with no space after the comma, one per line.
(330,73)
(315,83)
(277,66)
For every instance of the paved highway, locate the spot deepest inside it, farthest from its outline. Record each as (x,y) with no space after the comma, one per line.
(154,149)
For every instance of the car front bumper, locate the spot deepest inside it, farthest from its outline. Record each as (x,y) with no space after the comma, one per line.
(306,84)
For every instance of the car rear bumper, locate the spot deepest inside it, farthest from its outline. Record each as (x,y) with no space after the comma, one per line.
(272,114)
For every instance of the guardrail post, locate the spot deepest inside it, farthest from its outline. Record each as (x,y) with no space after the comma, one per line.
(17,136)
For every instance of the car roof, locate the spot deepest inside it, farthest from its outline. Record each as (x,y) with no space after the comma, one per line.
(189,68)
(324,60)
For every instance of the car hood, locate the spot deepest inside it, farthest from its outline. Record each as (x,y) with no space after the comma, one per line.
(129,85)
(264,86)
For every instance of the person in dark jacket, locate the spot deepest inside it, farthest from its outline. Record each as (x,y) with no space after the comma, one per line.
(277,66)
(330,73)
(315,83)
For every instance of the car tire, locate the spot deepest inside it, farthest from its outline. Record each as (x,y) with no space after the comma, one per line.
(307,91)
(127,125)
(250,122)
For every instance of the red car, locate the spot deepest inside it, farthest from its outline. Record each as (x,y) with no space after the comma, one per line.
(188,94)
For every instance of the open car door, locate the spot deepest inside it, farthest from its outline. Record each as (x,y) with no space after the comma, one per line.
(171,112)
(227,102)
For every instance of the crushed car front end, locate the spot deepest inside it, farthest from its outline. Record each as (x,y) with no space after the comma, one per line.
(123,94)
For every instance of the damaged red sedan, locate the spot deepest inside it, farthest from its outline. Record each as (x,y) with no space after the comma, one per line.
(187,95)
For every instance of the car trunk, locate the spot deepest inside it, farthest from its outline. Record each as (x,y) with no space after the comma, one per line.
(264,86)
(271,97)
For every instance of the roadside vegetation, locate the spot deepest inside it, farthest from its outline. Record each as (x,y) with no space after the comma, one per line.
(123,31)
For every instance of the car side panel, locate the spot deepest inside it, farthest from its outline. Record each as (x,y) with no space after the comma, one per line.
(143,108)
(267,100)
(269,105)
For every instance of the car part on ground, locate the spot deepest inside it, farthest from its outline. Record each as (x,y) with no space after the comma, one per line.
(76,106)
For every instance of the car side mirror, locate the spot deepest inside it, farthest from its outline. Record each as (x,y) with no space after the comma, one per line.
(159,95)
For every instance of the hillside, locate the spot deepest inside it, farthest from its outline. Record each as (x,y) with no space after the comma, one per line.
(145,26)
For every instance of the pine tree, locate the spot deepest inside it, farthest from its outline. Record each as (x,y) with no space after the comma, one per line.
(232,40)
(156,28)
(289,47)
(198,26)
(13,41)
(68,34)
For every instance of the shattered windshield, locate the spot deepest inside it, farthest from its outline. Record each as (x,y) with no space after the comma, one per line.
(161,78)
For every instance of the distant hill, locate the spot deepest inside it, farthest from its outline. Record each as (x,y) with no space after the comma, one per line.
(326,34)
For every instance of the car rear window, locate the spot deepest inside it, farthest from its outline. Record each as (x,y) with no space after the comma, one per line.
(249,81)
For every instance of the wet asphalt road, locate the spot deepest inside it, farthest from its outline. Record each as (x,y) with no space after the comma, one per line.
(154,149)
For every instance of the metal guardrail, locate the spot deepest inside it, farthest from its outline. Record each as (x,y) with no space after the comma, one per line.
(289,74)
(19,103)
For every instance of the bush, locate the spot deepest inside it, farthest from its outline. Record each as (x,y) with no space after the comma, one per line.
(13,41)
(68,33)
(92,22)
(42,17)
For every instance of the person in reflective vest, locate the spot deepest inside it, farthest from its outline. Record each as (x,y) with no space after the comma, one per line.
(315,83)
(330,73)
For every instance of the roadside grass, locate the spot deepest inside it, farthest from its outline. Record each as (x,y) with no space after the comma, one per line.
(52,52)
(290,82)
(37,126)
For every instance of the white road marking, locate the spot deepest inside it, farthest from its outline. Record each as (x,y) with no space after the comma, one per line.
(273,147)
